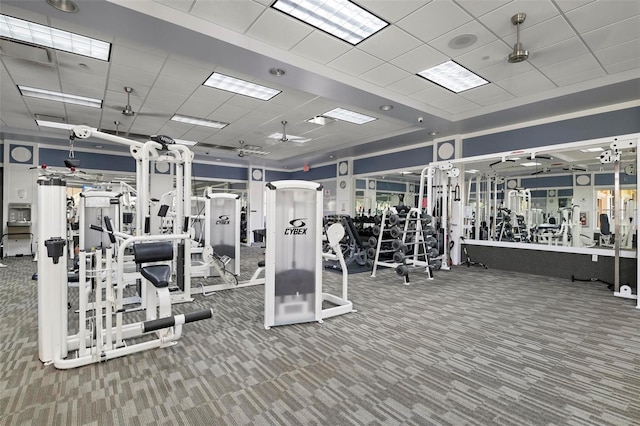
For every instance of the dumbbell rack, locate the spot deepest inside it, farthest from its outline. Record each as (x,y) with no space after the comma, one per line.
(399,239)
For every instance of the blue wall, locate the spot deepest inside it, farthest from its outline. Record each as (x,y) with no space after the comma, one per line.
(382,185)
(361,184)
(409,158)
(547,181)
(88,160)
(574,130)
(272,175)
(219,172)
(315,173)
(608,179)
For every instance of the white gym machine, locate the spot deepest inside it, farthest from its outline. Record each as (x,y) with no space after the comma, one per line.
(160,149)
(101,332)
(613,155)
(293,262)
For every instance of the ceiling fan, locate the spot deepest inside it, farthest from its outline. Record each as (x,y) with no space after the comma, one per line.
(250,149)
(519,53)
(128,111)
(284,131)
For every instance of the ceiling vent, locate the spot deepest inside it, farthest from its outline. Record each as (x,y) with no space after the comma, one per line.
(25,51)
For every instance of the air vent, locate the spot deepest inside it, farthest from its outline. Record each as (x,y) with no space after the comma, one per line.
(25,51)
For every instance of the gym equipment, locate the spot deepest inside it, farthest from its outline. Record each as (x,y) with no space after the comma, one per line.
(468,260)
(412,238)
(353,249)
(98,339)
(293,258)
(160,149)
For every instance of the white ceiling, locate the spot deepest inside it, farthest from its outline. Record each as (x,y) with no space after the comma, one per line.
(583,54)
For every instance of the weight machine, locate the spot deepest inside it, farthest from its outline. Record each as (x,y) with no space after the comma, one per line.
(160,149)
(100,331)
(293,258)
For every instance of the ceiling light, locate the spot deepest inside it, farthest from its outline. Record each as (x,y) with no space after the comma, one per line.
(340,18)
(320,120)
(350,116)
(64,5)
(49,95)
(596,149)
(278,72)
(254,151)
(406,173)
(472,171)
(54,124)
(290,138)
(531,164)
(453,76)
(198,121)
(242,87)
(30,32)
(386,107)
(185,142)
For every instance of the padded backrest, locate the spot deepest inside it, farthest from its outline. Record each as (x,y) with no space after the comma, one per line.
(152,252)
(352,230)
(604,224)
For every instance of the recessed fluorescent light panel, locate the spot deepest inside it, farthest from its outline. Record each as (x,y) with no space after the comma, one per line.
(32,92)
(241,87)
(473,171)
(531,164)
(54,124)
(198,121)
(453,76)
(30,32)
(597,149)
(185,142)
(350,116)
(340,18)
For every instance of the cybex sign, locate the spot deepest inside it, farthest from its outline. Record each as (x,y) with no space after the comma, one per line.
(298,227)
(223,220)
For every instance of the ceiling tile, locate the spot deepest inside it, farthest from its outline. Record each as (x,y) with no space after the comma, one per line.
(178,70)
(499,20)
(181,5)
(485,56)
(389,43)
(483,92)
(391,11)
(564,70)
(164,82)
(539,36)
(139,92)
(579,76)
(133,76)
(427,22)
(432,94)
(42,106)
(630,64)
(504,69)
(228,13)
(503,97)
(571,48)
(227,113)
(355,62)
(419,59)
(32,74)
(526,84)
(408,85)
(446,44)
(601,13)
(384,75)
(198,134)
(478,8)
(618,53)
(457,105)
(290,31)
(135,58)
(321,47)
(614,34)
(567,5)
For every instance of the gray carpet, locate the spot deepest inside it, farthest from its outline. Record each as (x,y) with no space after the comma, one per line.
(473,346)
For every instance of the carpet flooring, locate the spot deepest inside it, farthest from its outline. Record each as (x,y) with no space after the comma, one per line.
(471,347)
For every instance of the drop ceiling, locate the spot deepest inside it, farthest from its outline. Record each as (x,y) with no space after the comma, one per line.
(583,54)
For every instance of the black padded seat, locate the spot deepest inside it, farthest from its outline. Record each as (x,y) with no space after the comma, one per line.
(261,264)
(158,275)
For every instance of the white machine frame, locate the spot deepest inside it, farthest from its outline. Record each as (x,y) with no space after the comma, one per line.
(278,248)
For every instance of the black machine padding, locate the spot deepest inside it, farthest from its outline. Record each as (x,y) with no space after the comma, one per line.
(158,275)
(153,252)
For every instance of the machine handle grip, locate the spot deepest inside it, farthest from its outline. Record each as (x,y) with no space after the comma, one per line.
(96,227)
